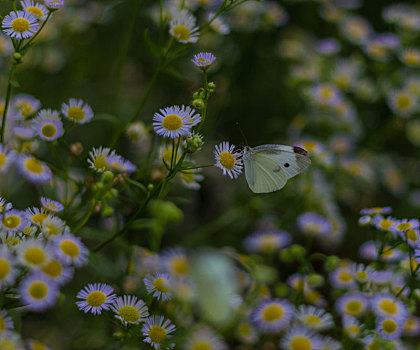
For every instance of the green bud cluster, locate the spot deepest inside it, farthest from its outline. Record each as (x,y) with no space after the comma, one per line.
(103,192)
(193,143)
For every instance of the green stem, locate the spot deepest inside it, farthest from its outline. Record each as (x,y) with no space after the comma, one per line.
(206,99)
(37,33)
(6,103)
(86,218)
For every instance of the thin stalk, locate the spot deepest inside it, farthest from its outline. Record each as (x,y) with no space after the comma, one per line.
(7,101)
(37,33)
(85,218)
(206,99)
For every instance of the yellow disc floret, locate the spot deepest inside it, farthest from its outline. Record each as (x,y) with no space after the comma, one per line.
(70,248)
(272,313)
(33,165)
(35,11)
(300,343)
(161,284)
(11,221)
(76,113)
(53,268)
(20,25)
(49,130)
(38,290)
(96,298)
(172,122)
(35,256)
(227,160)
(181,32)
(4,268)
(129,313)
(157,334)
(388,306)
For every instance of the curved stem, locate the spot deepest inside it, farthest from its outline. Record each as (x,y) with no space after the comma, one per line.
(39,31)
(7,101)
(86,218)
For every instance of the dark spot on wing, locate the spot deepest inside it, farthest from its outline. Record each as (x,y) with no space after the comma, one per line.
(277,170)
(300,151)
(286,165)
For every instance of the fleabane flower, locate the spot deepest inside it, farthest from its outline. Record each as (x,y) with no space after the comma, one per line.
(38,10)
(354,304)
(48,125)
(7,157)
(71,250)
(175,121)
(77,111)
(34,170)
(59,272)
(129,309)
(156,330)
(205,339)
(203,60)
(52,226)
(183,27)
(299,338)
(13,221)
(390,327)
(51,205)
(8,269)
(228,160)
(54,4)
(403,103)
(95,298)
(6,322)
(38,292)
(20,24)
(272,316)
(314,318)
(33,253)
(120,164)
(158,285)
(267,241)
(98,158)
(386,305)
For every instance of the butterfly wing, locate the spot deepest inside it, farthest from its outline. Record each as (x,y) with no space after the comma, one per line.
(292,159)
(263,174)
(268,167)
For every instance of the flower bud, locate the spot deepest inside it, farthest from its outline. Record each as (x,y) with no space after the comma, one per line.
(17,57)
(286,256)
(315,280)
(298,251)
(211,86)
(107,211)
(198,103)
(331,263)
(107,178)
(76,148)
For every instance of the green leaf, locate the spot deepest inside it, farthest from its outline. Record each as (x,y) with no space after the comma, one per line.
(153,48)
(141,224)
(164,190)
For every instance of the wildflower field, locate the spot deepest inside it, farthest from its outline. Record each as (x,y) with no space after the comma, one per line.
(209,175)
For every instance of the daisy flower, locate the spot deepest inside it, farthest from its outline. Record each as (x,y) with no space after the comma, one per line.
(48,125)
(26,105)
(267,241)
(175,262)
(314,224)
(20,24)
(314,318)
(410,57)
(51,205)
(183,27)
(98,158)
(354,304)
(57,271)
(218,24)
(328,47)
(385,305)
(38,10)
(158,285)
(120,164)
(390,327)
(4,205)
(361,273)
(174,121)
(402,102)
(205,338)
(325,95)
(203,60)
(14,220)
(411,326)
(34,170)
(227,160)
(77,111)
(272,316)
(54,4)
(129,309)
(351,327)
(36,345)
(71,250)
(38,292)
(328,343)
(7,158)
(95,298)
(33,253)
(376,210)
(8,268)
(157,330)
(6,322)
(52,226)
(11,340)
(342,278)
(191,179)
(298,338)
(246,333)
(355,29)
(36,215)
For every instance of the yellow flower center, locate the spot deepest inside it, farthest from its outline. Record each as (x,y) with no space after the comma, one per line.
(2,325)
(49,130)
(157,334)
(374,345)
(36,345)
(100,163)
(354,307)
(354,329)
(38,290)
(411,58)
(188,177)
(272,313)
(4,268)
(20,25)
(2,160)
(35,256)
(388,306)
(179,265)
(181,32)
(26,111)
(6,344)
(361,275)
(311,320)
(96,298)
(70,248)
(412,235)
(52,230)
(300,342)
(385,224)
(34,166)
(53,268)
(35,11)
(244,329)
(76,113)
(11,241)
(389,326)
(344,276)
(129,313)
(167,155)
(403,102)
(172,122)
(11,221)
(388,252)
(202,345)
(227,160)
(39,218)
(161,285)
(268,243)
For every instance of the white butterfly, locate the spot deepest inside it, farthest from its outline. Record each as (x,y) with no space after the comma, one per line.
(268,167)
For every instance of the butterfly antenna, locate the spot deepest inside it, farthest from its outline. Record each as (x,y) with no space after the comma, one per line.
(242,133)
